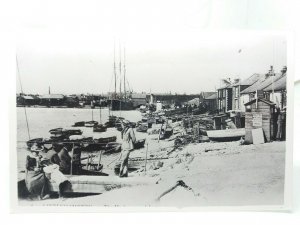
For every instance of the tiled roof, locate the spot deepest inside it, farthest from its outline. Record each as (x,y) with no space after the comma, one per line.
(260,100)
(138,95)
(279,84)
(213,96)
(250,80)
(262,83)
(52,96)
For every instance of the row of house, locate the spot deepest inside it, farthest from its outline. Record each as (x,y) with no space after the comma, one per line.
(233,95)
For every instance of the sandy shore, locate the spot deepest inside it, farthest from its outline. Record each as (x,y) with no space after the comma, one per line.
(220,174)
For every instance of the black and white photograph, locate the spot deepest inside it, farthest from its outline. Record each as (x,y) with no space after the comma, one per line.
(172,120)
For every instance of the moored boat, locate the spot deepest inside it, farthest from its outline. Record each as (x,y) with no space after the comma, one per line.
(91,123)
(99,128)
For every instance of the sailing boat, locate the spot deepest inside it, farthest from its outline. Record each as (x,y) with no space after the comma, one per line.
(100,127)
(121,102)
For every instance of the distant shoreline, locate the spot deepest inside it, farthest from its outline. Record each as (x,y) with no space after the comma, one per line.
(59,107)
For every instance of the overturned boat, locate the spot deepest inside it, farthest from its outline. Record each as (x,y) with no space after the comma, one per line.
(226,135)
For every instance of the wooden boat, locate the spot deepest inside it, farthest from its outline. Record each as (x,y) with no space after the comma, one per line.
(112,147)
(226,135)
(142,128)
(111,121)
(99,128)
(79,124)
(66,132)
(91,123)
(105,139)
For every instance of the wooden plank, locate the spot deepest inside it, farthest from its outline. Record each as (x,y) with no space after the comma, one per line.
(258,136)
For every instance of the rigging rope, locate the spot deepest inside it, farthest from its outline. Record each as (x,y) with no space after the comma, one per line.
(18,70)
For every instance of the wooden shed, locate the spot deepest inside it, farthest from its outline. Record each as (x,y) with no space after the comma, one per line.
(259,114)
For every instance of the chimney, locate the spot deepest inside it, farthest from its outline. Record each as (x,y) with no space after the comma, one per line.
(236,80)
(270,73)
(284,69)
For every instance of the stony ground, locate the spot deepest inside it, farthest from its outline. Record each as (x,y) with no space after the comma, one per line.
(219,174)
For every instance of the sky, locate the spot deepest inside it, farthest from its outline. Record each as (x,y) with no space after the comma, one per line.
(171,46)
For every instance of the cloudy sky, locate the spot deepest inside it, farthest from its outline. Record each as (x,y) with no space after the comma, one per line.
(167,49)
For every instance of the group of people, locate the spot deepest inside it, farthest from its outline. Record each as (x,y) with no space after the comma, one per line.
(51,165)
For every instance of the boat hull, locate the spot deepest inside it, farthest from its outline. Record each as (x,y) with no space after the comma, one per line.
(117,105)
(226,135)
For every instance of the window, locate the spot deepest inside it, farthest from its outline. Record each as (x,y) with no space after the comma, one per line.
(236,92)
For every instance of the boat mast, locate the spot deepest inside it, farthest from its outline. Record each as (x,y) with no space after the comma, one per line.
(124,72)
(115,72)
(120,67)
(23,94)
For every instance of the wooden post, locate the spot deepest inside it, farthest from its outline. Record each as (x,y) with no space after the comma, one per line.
(146,159)
(72,159)
(100,154)
(87,163)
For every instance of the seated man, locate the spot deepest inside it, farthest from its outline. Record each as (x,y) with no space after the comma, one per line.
(76,158)
(65,161)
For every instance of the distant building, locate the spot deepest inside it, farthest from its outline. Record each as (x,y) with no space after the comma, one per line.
(238,86)
(225,97)
(27,100)
(211,102)
(52,100)
(139,99)
(171,99)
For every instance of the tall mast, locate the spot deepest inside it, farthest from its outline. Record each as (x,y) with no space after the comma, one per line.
(115,72)
(124,72)
(120,67)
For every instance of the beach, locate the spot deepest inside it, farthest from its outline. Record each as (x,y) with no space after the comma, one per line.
(217,173)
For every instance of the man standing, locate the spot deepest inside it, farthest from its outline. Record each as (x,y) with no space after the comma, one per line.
(129,139)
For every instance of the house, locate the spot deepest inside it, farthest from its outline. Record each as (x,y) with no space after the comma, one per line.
(27,100)
(211,102)
(237,101)
(279,87)
(138,99)
(265,81)
(225,97)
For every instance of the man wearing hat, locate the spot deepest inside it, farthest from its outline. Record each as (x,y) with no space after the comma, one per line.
(128,137)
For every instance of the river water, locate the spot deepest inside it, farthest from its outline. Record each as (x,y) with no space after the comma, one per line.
(41,120)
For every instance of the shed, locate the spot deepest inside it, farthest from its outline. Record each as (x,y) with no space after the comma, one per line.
(259,114)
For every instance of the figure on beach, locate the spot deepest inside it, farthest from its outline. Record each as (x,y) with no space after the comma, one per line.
(128,137)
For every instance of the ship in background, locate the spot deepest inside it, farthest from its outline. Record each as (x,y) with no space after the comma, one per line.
(120,100)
